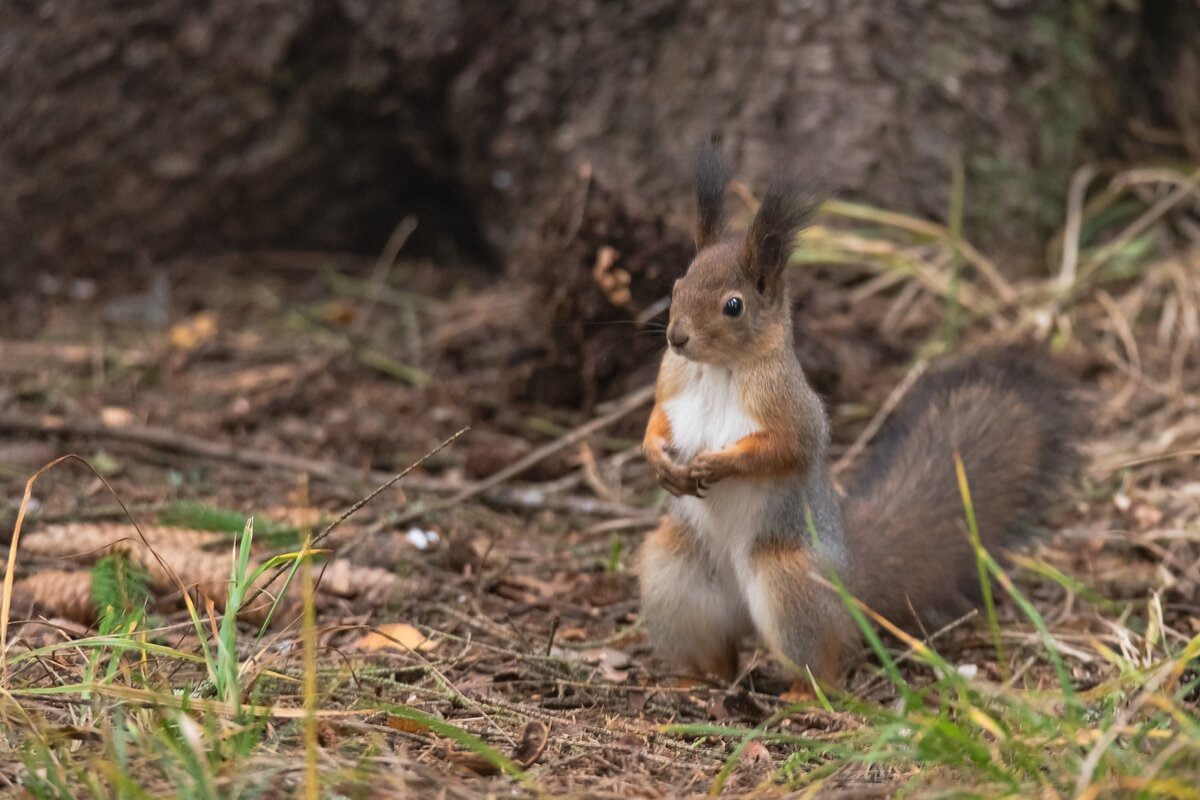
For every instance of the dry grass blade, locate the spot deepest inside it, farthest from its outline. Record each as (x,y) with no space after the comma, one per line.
(11,568)
(1000,284)
(1143,223)
(881,416)
(1070,257)
(358,505)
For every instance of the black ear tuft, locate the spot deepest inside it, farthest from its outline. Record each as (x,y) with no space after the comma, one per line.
(785,209)
(712,175)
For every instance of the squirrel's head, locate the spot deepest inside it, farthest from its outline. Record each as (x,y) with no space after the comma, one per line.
(732,302)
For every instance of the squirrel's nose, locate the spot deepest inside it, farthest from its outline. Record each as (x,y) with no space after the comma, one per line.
(677,337)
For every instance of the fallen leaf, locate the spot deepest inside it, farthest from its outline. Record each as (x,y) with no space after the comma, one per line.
(800,692)
(631,740)
(396,635)
(612,281)
(614,664)
(716,708)
(472,762)
(406,725)
(338,312)
(194,331)
(115,417)
(756,753)
(105,464)
(742,707)
(1145,516)
(533,743)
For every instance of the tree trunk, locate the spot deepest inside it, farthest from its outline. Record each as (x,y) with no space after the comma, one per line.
(149,129)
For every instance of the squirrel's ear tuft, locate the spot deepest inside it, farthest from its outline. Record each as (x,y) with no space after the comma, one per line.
(712,175)
(785,210)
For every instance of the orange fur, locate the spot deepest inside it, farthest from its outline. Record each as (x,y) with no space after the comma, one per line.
(658,429)
(759,455)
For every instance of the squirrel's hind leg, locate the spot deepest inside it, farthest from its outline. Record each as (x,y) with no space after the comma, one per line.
(802,622)
(692,608)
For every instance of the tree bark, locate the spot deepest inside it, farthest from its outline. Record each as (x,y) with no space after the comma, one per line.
(150,129)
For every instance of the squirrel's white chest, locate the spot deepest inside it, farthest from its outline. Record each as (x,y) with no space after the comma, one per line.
(707,414)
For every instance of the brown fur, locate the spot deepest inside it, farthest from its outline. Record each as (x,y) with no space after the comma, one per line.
(812,629)
(899,543)
(1014,423)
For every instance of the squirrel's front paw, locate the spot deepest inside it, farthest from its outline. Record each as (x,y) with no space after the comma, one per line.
(706,469)
(669,473)
(674,478)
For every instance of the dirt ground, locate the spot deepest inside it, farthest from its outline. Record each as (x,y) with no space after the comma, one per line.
(277,383)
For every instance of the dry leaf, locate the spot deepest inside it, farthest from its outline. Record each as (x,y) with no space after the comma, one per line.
(614,665)
(739,706)
(573,634)
(338,312)
(406,725)
(396,635)
(472,762)
(756,753)
(194,331)
(631,740)
(115,417)
(346,579)
(612,281)
(533,743)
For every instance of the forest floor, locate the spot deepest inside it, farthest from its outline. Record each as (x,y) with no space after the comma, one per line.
(473,636)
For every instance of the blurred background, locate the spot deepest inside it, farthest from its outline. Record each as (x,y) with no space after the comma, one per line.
(161,129)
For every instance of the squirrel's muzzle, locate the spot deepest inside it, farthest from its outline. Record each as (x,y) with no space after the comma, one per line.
(677,335)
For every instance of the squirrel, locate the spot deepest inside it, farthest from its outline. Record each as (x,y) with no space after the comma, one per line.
(739,438)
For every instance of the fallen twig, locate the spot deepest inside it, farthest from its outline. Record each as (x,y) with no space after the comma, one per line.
(165,439)
(352,509)
(186,444)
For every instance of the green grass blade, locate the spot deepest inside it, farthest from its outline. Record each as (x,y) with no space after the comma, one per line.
(460,737)
(985,583)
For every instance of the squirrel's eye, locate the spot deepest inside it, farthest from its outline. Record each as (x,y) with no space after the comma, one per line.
(733,307)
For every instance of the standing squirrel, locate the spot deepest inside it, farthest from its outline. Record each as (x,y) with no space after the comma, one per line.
(739,438)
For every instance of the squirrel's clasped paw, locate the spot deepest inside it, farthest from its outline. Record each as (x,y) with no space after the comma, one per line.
(674,478)
(672,475)
(705,470)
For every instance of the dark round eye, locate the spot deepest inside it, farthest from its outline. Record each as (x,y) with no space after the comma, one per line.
(733,307)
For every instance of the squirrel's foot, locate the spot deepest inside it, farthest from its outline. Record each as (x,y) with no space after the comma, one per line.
(799,692)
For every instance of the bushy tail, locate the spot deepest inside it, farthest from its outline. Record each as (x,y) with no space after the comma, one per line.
(1015,422)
